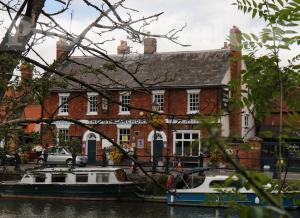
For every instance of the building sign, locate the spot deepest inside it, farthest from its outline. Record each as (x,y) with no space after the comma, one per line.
(140,143)
(126,121)
(115,121)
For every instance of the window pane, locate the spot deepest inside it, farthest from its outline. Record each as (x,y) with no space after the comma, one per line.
(102,177)
(40,178)
(82,178)
(178,148)
(195,136)
(187,135)
(125,99)
(159,98)
(186,148)
(58,178)
(195,149)
(124,136)
(63,135)
(194,102)
(64,106)
(178,135)
(93,103)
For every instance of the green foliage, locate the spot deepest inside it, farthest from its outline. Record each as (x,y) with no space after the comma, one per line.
(266,78)
(73,145)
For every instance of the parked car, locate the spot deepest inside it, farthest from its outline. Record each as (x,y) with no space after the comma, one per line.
(61,155)
(7,160)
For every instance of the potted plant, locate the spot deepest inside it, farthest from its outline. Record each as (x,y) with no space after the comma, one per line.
(157,121)
(114,154)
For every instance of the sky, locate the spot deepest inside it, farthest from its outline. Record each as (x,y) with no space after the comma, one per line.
(208,24)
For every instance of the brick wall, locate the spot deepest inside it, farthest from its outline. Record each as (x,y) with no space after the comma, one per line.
(175,102)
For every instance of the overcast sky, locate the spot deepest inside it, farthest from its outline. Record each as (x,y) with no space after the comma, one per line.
(208,23)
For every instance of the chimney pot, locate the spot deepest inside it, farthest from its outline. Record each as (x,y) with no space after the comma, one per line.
(235,39)
(61,47)
(26,72)
(150,45)
(225,45)
(123,48)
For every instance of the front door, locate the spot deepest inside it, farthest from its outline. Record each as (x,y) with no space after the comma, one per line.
(158,149)
(91,151)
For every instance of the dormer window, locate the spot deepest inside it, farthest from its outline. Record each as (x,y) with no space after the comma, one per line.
(125,100)
(63,104)
(92,105)
(193,101)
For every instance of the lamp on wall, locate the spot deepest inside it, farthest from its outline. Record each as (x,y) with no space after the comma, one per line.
(155,105)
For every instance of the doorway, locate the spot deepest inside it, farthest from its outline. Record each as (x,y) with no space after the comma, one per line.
(91,145)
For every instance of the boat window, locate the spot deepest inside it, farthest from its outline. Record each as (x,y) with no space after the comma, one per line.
(121,175)
(58,178)
(220,184)
(102,177)
(81,177)
(40,178)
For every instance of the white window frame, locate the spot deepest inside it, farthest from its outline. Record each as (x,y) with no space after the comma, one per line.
(155,95)
(189,93)
(61,105)
(66,137)
(122,109)
(119,135)
(90,95)
(183,132)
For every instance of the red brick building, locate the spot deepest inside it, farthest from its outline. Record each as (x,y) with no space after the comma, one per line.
(182,83)
(12,107)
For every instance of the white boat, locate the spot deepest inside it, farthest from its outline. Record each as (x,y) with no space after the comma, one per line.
(95,183)
(214,193)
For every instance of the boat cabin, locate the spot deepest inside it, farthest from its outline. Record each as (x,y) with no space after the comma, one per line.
(211,184)
(75,176)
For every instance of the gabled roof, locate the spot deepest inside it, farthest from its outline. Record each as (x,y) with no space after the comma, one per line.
(158,70)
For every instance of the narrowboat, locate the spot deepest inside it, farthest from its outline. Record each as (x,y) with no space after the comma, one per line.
(98,183)
(213,192)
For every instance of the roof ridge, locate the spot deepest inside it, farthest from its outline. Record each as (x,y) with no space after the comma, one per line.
(159,53)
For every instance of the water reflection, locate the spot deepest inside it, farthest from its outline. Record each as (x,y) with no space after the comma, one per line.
(38,208)
(49,209)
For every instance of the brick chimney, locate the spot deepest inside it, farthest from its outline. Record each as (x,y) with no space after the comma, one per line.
(26,77)
(61,47)
(26,72)
(150,45)
(235,118)
(123,48)
(225,45)
(235,39)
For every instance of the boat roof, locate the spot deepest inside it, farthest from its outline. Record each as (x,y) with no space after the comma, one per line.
(77,169)
(217,177)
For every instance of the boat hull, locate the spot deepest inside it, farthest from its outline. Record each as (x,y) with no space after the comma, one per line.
(76,192)
(289,201)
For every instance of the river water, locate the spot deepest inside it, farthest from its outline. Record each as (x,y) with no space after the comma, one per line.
(57,209)
(106,209)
